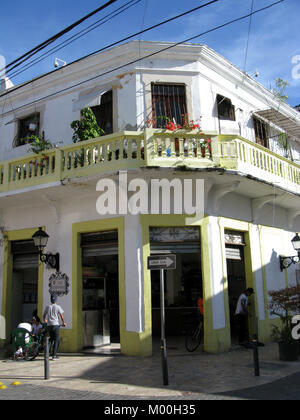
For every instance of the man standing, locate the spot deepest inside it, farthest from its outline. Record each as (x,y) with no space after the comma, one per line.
(51,317)
(242,315)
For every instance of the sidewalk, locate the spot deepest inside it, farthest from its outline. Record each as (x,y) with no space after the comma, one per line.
(191,376)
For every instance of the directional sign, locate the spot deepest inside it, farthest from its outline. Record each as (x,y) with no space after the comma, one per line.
(162,262)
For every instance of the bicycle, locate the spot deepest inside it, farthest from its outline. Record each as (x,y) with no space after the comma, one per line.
(194,336)
(26,341)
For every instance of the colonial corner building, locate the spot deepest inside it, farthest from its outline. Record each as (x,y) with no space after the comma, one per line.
(184,115)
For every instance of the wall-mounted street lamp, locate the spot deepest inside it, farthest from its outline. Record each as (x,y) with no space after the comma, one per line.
(40,239)
(286,262)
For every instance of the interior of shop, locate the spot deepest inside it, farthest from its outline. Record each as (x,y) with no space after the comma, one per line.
(183,286)
(100,289)
(236,283)
(24,282)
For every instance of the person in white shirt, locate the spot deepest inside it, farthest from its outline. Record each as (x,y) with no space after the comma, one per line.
(52,315)
(25,326)
(242,314)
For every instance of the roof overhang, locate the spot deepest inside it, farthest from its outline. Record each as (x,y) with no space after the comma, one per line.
(289,124)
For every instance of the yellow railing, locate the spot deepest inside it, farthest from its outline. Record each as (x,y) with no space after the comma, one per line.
(152,148)
(113,152)
(179,148)
(252,159)
(32,170)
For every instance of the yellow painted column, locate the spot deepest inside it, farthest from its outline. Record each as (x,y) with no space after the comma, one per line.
(9,236)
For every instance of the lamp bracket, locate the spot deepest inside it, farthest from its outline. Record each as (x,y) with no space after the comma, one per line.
(50,259)
(286,262)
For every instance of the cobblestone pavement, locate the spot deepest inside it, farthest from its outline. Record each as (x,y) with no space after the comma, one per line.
(194,376)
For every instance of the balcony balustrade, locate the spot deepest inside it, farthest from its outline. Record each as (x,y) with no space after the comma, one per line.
(150,148)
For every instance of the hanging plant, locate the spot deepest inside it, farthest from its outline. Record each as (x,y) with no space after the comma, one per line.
(87,127)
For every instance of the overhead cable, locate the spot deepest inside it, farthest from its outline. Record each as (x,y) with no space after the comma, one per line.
(120,41)
(143,58)
(15,63)
(73,38)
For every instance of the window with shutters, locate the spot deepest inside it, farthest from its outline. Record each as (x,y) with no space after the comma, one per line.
(226,110)
(261,132)
(104,112)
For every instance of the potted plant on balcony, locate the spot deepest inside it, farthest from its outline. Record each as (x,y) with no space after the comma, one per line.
(285,303)
(87,127)
(37,144)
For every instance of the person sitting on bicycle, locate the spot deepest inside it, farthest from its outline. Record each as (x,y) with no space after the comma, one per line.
(36,327)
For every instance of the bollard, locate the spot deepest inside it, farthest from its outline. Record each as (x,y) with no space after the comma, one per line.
(255,355)
(46,358)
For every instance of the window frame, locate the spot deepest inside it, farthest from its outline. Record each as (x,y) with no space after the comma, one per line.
(227,111)
(22,132)
(102,108)
(259,127)
(168,109)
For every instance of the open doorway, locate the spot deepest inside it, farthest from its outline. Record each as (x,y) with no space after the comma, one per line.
(183,286)
(100,289)
(236,275)
(24,281)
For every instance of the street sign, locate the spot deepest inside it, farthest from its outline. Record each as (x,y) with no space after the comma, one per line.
(162,262)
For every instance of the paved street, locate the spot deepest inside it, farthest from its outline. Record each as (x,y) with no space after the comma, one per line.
(191,377)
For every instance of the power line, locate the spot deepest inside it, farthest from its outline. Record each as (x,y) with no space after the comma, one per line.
(146,30)
(49,41)
(76,36)
(118,42)
(146,56)
(248,38)
(143,31)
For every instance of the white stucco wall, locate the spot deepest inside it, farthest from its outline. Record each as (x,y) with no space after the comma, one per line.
(204,78)
(78,204)
(134,275)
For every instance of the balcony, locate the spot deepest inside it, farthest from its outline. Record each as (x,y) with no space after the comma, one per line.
(150,148)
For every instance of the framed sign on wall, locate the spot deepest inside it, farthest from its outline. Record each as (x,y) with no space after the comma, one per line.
(59,284)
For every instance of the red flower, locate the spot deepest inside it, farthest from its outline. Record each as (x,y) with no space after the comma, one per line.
(170,126)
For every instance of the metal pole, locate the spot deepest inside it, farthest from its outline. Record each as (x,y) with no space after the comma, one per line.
(46,358)
(255,355)
(163,326)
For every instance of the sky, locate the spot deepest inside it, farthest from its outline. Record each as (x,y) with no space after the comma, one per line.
(273,44)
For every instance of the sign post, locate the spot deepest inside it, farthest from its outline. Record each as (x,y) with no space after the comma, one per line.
(163,262)
(163,344)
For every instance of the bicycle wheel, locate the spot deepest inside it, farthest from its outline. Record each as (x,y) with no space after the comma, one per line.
(193,338)
(31,351)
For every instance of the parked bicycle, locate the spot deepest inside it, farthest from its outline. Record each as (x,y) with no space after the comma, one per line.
(30,346)
(194,336)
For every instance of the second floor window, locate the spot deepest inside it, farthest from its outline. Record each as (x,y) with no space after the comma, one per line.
(28,126)
(168,102)
(104,112)
(226,110)
(261,132)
